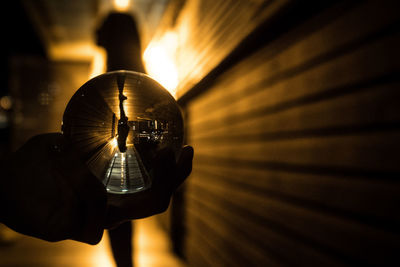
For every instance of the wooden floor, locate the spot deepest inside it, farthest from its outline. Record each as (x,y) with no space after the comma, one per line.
(152,249)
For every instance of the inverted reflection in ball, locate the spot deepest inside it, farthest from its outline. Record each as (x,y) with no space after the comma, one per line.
(118,121)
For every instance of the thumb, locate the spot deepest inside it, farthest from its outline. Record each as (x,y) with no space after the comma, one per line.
(184,165)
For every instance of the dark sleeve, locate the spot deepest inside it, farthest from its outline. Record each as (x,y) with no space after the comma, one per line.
(50,195)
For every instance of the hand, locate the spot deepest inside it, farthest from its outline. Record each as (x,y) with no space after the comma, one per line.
(168,176)
(47,192)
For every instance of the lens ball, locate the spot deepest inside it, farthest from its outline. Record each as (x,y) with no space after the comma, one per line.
(118,122)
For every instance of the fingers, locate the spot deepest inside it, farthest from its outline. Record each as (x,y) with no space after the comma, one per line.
(170,174)
(164,170)
(42,144)
(184,165)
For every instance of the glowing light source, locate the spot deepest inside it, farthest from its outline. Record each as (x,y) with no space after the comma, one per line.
(5,102)
(121,5)
(98,64)
(159,59)
(123,172)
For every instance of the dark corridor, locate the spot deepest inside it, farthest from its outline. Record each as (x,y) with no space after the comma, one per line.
(292,108)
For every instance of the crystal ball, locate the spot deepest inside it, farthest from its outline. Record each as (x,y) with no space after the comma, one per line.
(118,122)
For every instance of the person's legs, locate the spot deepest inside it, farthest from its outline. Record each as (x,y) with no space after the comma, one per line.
(121,244)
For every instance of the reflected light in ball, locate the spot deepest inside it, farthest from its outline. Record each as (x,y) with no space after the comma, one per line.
(114,143)
(121,5)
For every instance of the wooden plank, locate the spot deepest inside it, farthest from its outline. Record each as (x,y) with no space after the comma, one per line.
(212,244)
(341,236)
(361,111)
(295,146)
(339,76)
(365,152)
(213,39)
(200,251)
(250,235)
(195,254)
(311,46)
(372,201)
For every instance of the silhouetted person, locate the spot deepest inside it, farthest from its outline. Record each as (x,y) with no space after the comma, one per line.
(120,38)
(123,127)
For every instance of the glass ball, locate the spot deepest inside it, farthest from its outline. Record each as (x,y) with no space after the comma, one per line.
(118,121)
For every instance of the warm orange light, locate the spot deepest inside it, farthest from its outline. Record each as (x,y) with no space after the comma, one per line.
(159,59)
(5,102)
(100,255)
(98,64)
(121,5)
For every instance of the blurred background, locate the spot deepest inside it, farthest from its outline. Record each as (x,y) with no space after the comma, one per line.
(292,108)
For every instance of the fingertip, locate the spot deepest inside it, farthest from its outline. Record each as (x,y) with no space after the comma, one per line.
(185,163)
(188,152)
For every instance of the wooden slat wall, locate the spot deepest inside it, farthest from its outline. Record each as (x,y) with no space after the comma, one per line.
(208,30)
(296,147)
